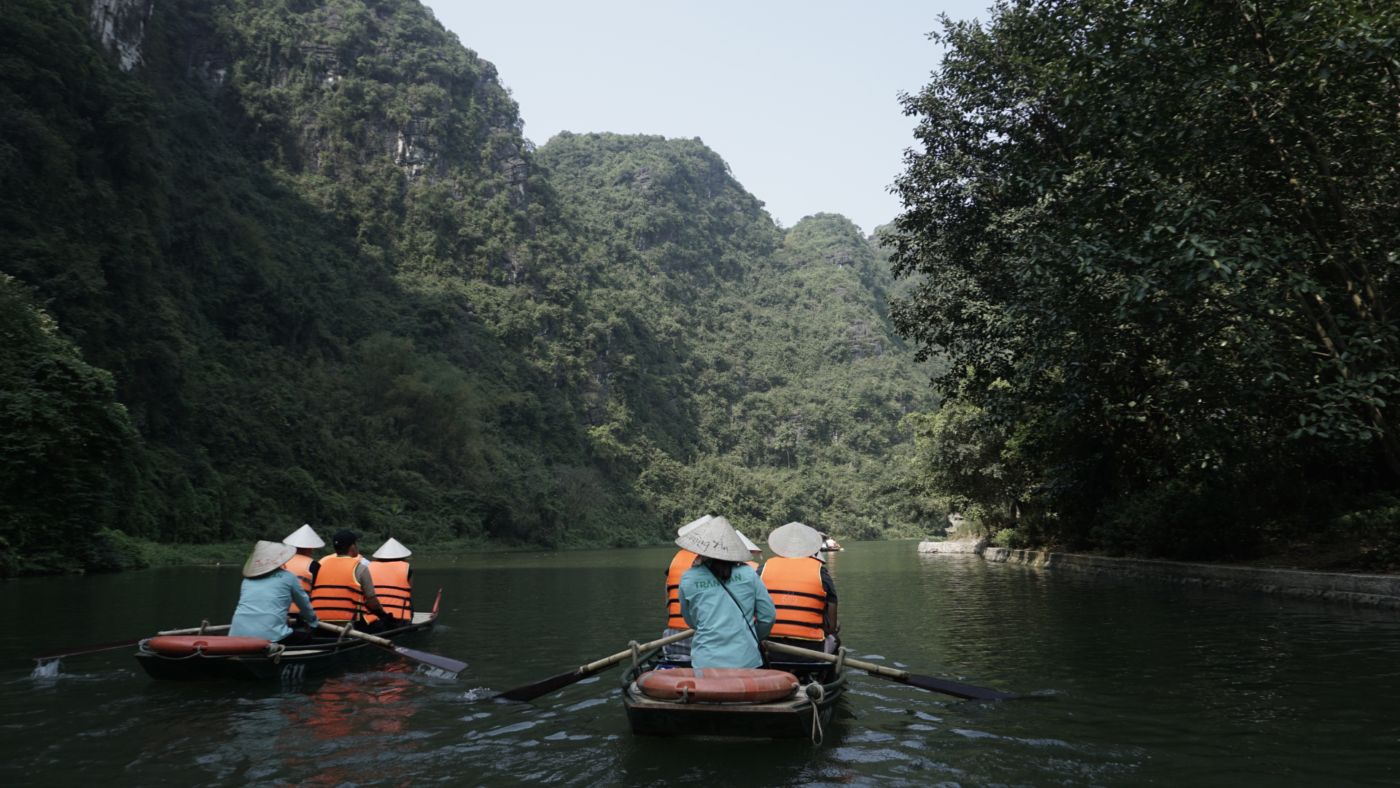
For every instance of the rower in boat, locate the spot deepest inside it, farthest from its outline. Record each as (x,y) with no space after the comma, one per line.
(393,584)
(681,562)
(344,588)
(306,541)
(265,595)
(802,589)
(722,598)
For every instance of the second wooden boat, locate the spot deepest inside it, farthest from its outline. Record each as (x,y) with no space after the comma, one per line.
(222,658)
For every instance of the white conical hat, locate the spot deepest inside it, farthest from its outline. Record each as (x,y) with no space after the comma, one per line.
(305,536)
(693,524)
(753,548)
(392,550)
(715,538)
(795,540)
(266,557)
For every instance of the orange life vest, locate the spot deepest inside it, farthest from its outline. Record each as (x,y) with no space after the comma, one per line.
(796,587)
(300,565)
(682,562)
(337,595)
(393,588)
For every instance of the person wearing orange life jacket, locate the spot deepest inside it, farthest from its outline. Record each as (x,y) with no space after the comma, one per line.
(802,589)
(305,540)
(393,583)
(680,562)
(344,589)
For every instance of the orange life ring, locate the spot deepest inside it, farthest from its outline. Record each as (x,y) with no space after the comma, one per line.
(214,645)
(718,685)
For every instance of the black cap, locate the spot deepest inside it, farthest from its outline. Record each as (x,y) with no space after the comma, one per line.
(343,539)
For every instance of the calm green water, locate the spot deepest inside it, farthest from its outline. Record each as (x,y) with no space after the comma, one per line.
(1141,684)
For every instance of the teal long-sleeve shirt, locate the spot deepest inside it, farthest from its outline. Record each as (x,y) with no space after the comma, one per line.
(263,603)
(723,638)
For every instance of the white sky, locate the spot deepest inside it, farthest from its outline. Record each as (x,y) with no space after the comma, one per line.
(799,97)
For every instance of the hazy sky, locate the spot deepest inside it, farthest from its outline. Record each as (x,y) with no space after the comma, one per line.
(799,97)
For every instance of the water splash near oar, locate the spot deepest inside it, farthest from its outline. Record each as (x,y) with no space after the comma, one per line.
(46,670)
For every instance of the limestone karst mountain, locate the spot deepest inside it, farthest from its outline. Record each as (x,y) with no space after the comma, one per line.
(276,262)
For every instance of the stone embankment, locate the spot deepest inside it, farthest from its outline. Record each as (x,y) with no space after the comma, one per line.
(1377,590)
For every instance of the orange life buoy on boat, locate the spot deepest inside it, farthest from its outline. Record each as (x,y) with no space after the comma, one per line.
(718,685)
(213,645)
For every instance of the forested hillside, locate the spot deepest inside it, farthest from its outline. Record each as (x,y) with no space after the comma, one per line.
(275,262)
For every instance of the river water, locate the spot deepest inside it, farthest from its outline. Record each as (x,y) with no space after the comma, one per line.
(1132,684)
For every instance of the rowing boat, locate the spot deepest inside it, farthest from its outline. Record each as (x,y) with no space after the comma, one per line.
(806,711)
(217,656)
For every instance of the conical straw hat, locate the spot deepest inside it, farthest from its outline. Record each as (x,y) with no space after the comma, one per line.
(693,524)
(266,557)
(795,540)
(715,538)
(392,550)
(304,536)
(753,548)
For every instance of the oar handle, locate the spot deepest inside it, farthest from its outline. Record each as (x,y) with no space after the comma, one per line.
(355,633)
(594,667)
(954,688)
(868,667)
(196,630)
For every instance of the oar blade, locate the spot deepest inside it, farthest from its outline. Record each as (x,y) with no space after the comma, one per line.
(957,689)
(531,691)
(445,664)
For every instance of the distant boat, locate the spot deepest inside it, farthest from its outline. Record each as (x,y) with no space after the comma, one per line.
(831,546)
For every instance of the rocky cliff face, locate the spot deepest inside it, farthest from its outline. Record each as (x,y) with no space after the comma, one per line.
(120,26)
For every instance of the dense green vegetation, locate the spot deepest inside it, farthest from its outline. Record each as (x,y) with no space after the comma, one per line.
(1159,246)
(299,264)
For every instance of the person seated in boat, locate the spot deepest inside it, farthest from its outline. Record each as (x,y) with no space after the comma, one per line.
(344,588)
(802,588)
(302,564)
(755,552)
(265,595)
(723,599)
(393,584)
(681,562)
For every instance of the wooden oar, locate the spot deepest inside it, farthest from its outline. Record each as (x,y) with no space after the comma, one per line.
(956,689)
(532,691)
(125,643)
(441,663)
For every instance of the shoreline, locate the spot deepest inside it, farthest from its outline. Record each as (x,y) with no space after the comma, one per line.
(1373,590)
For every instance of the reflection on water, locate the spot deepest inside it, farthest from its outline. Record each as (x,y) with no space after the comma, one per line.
(1140,684)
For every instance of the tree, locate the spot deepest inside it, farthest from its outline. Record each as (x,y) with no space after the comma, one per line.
(1155,237)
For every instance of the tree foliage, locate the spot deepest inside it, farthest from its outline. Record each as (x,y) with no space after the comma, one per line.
(1158,243)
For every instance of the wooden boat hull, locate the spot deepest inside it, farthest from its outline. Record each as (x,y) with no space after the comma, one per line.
(291,665)
(821,691)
